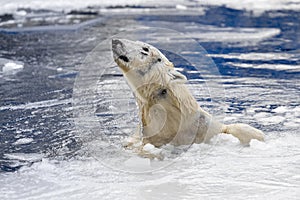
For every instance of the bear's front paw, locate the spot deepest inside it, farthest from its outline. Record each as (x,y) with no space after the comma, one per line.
(131,143)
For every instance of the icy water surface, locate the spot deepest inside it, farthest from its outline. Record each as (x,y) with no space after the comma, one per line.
(64,115)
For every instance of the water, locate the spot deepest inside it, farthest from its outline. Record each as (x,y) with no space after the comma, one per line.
(57,142)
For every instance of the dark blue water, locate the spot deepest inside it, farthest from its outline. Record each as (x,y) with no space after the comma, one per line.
(36,102)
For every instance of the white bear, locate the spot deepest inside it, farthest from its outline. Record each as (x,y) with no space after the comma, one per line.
(168,112)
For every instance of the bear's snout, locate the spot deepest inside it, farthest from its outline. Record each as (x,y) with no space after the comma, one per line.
(118,49)
(120,54)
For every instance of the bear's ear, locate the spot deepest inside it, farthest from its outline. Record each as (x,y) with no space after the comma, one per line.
(176,76)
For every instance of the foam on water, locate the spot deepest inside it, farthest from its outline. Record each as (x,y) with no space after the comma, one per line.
(263,169)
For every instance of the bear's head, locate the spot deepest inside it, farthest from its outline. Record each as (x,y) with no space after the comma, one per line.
(144,65)
(136,55)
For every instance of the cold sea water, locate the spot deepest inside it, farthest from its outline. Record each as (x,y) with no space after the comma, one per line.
(65,107)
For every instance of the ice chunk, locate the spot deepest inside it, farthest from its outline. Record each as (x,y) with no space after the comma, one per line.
(280,109)
(180,7)
(12,68)
(271,120)
(23,141)
(32,157)
(148,147)
(152,149)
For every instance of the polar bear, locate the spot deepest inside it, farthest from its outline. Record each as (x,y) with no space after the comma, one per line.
(167,110)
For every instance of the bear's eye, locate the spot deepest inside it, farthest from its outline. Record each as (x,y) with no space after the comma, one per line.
(159,59)
(163,92)
(146,49)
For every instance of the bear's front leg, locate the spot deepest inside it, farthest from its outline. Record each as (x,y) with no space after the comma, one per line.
(134,140)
